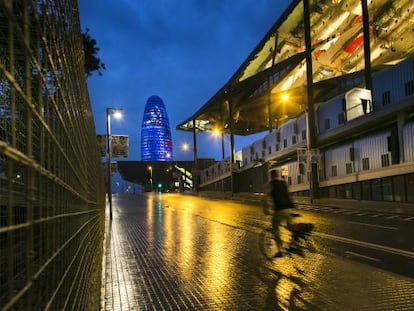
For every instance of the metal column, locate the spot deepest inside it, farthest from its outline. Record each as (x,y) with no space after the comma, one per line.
(311,137)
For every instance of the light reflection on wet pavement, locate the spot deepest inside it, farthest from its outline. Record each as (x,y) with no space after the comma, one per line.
(184,253)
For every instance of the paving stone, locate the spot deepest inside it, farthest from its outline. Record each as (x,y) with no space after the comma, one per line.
(160,258)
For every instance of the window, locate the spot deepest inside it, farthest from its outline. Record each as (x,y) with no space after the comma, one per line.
(327,124)
(295,128)
(285,143)
(277,147)
(263,153)
(304,135)
(322,174)
(289,181)
(385,160)
(409,88)
(299,179)
(376,189)
(341,118)
(365,164)
(293,139)
(270,150)
(333,171)
(349,168)
(302,168)
(386,98)
(387,187)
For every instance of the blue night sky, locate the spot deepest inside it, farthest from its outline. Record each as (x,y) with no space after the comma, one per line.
(181,50)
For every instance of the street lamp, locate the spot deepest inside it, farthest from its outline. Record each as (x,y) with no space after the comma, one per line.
(150,169)
(186,147)
(117,114)
(311,167)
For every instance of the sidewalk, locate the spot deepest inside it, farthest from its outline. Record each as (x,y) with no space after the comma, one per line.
(374,206)
(160,257)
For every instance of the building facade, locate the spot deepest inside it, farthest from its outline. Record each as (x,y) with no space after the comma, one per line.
(156,141)
(363,156)
(332,84)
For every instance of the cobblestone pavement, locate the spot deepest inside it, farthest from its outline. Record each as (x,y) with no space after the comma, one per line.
(163,258)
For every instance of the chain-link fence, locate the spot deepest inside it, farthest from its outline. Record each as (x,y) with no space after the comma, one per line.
(51,184)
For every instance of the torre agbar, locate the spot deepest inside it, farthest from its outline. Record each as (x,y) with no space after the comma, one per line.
(156,143)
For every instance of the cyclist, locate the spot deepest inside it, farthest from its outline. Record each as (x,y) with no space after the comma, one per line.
(278,192)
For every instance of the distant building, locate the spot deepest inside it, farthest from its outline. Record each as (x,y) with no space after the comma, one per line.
(156,142)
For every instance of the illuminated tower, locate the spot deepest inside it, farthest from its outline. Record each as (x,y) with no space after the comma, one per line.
(156,143)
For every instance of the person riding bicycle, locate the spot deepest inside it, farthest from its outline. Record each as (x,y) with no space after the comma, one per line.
(282,205)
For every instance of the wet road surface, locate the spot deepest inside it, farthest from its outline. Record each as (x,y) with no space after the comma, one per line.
(176,252)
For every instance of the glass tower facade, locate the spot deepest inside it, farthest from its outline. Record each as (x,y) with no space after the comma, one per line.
(156,143)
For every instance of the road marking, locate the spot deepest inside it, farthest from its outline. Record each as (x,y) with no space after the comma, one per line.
(392,217)
(362,256)
(382,248)
(372,225)
(376,215)
(351,212)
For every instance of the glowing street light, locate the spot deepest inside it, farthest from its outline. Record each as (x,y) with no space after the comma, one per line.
(185,147)
(117,114)
(218,132)
(285,97)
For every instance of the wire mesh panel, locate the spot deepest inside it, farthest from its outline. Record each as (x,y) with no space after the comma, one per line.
(51,184)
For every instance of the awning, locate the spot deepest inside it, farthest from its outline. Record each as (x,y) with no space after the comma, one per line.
(278,62)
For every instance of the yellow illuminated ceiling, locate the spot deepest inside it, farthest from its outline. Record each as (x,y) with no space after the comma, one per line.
(338,51)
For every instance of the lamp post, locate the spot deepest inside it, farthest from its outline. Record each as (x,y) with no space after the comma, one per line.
(117,113)
(186,147)
(150,169)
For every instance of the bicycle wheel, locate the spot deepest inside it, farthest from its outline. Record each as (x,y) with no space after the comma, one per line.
(268,244)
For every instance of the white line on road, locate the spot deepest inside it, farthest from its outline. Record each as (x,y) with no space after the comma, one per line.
(362,256)
(376,215)
(382,248)
(372,225)
(392,217)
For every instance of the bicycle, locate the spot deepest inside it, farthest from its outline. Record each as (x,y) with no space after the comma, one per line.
(295,239)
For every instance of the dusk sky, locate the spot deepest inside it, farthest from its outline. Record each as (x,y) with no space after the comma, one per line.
(181,50)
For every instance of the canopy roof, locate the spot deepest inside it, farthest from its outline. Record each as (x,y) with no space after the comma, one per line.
(277,65)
